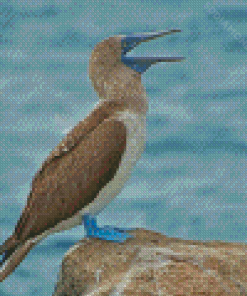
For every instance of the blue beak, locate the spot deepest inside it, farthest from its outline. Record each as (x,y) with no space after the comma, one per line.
(141,64)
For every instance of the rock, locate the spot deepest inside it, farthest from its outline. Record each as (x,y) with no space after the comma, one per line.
(153,264)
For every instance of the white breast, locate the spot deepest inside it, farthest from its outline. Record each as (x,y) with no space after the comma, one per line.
(136,132)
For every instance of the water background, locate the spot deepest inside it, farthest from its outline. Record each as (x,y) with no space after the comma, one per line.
(191,179)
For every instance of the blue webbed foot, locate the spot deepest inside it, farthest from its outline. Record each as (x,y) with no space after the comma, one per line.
(105,233)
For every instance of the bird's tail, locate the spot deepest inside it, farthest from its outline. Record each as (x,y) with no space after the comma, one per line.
(13,253)
(7,248)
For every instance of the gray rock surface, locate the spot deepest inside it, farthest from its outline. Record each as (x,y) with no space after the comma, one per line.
(153,264)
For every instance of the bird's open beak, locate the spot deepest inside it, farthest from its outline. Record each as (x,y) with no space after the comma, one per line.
(141,64)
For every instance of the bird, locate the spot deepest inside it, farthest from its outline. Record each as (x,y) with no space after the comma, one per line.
(90,166)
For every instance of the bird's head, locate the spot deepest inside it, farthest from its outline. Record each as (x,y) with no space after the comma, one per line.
(110,67)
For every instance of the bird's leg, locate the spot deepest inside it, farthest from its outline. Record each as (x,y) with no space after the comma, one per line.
(105,233)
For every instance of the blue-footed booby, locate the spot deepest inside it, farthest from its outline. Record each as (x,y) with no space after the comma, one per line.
(91,164)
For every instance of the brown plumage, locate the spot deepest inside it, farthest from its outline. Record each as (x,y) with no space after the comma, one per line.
(74,180)
(90,166)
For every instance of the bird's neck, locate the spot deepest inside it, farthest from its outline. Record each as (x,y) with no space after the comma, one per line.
(126,88)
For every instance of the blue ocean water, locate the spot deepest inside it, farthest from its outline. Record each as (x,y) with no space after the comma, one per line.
(191,179)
